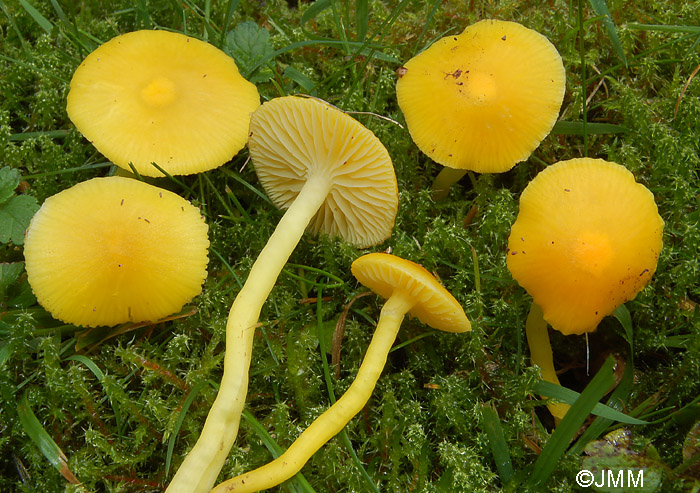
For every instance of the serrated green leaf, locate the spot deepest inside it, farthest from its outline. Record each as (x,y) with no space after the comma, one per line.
(691,450)
(9,273)
(5,353)
(15,215)
(616,467)
(9,179)
(21,296)
(249,44)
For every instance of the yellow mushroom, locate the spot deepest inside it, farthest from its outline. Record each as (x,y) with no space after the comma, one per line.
(114,250)
(408,288)
(482,100)
(162,97)
(587,239)
(332,175)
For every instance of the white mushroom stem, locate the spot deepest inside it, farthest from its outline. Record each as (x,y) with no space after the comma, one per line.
(541,355)
(331,422)
(202,465)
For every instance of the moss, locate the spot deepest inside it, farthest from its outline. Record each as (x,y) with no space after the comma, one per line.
(421,430)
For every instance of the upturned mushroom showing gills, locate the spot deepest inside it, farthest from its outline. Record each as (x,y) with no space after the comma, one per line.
(586,240)
(165,98)
(408,288)
(332,175)
(114,250)
(482,100)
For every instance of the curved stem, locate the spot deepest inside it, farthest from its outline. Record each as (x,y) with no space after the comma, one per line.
(202,465)
(541,355)
(444,181)
(331,422)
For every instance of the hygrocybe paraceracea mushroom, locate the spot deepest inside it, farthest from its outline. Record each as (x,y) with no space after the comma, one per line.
(333,176)
(162,97)
(114,250)
(482,100)
(408,288)
(586,240)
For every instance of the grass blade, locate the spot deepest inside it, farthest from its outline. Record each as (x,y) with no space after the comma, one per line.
(663,28)
(601,8)
(314,9)
(301,79)
(51,134)
(562,394)
(43,440)
(43,22)
(92,366)
(600,424)
(298,482)
(178,423)
(576,128)
(584,95)
(622,314)
(621,392)
(569,426)
(491,424)
(232,6)
(362,16)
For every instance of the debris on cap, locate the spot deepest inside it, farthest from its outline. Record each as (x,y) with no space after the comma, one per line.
(482,100)
(587,239)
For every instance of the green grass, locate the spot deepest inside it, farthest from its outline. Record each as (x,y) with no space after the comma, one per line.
(451,412)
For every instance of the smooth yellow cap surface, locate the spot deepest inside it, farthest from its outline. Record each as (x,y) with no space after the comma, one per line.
(114,250)
(482,100)
(293,138)
(587,238)
(163,97)
(434,305)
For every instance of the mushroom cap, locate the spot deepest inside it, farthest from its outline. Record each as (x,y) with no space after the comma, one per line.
(114,250)
(587,238)
(293,138)
(434,305)
(163,97)
(482,100)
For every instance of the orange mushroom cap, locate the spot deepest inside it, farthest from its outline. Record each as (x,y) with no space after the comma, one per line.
(587,239)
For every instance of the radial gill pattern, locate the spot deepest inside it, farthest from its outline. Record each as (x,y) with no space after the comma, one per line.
(294,138)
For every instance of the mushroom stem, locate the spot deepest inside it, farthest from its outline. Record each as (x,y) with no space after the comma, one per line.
(444,181)
(202,465)
(541,355)
(332,421)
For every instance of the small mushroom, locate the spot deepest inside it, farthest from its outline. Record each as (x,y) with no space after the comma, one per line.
(162,97)
(333,176)
(586,240)
(408,288)
(114,250)
(482,100)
